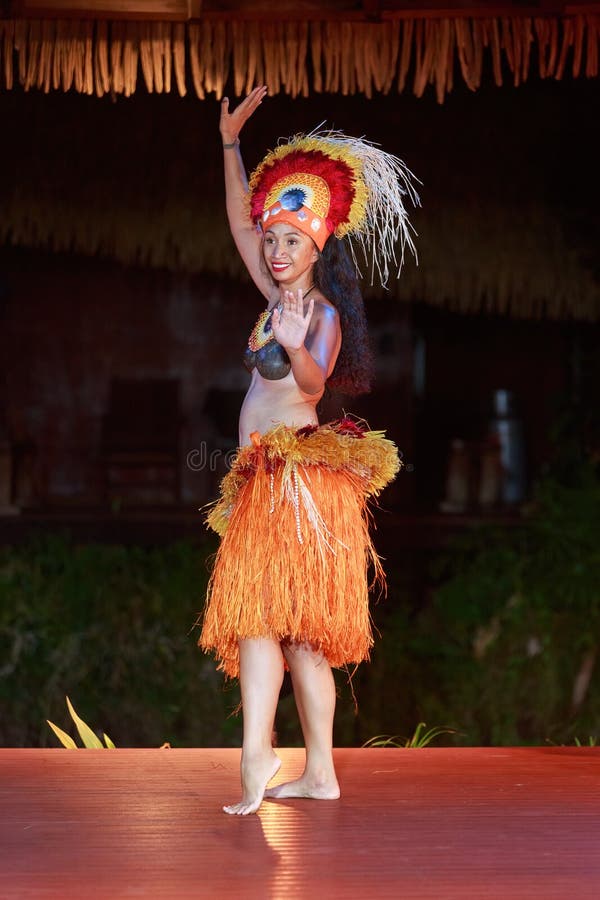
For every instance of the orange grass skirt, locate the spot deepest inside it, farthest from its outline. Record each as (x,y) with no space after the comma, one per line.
(296,553)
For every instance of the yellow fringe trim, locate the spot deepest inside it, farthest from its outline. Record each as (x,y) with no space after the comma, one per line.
(372,458)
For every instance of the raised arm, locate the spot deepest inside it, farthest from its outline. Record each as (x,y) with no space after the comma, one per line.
(247,239)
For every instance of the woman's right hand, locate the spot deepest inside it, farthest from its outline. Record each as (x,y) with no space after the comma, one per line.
(232,123)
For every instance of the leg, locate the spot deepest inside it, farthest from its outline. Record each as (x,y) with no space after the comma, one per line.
(314,691)
(261,675)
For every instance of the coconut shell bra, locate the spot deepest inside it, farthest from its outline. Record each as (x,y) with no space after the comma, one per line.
(264,352)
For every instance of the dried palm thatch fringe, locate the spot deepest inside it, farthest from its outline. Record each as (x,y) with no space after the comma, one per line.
(294,57)
(304,576)
(502,260)
(509,259)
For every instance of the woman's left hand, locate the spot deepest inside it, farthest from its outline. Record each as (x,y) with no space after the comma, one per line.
(290,325)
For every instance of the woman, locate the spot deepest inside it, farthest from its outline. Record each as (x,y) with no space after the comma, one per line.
(289,587)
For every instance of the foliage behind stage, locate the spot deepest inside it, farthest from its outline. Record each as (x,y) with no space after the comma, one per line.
(499,643)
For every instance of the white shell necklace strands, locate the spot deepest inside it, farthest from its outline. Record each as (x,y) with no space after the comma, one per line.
(262,332)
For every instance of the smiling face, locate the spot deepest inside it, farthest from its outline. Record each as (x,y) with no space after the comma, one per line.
(289,254)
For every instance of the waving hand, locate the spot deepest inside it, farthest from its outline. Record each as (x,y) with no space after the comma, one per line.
(231,123)
(290,323)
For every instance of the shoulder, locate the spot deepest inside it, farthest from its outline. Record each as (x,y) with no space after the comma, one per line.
(325,323)
(324,309)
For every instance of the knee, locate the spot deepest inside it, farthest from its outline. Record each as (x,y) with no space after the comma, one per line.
(301,654)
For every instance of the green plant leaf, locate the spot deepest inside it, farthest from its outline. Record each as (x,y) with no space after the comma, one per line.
(422,739)
(90,740)
(65,739)
(108,742)
(384,740)
(419,738)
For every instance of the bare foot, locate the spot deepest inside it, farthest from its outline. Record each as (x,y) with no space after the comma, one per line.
(324,788)
(256,774)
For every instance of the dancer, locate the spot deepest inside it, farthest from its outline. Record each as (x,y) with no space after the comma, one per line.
(290,582)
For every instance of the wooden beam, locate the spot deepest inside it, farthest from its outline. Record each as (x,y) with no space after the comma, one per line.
(160,10)
(372,10)
(390,11)
(288,10)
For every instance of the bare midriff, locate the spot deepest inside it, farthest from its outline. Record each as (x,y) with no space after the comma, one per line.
(269,403)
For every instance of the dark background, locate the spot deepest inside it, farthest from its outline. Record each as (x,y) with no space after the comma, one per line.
(116,268)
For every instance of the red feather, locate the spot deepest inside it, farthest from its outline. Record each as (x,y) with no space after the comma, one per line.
(349,426)
(338,175)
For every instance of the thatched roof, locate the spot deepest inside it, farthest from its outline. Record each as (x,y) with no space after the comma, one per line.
(338,46)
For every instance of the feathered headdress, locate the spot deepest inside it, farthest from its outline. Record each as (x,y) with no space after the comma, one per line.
(328,183)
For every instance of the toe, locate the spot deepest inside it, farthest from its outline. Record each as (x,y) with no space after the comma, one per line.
(249,809)
(232,810)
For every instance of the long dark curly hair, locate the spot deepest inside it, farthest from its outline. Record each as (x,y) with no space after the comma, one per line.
(335,276)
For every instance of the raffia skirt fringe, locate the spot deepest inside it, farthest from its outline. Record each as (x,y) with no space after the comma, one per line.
(296,559)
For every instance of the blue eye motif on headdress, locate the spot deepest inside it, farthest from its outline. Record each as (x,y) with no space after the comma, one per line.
(293,199)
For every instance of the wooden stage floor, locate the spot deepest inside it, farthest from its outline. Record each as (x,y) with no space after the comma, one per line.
(433,823)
